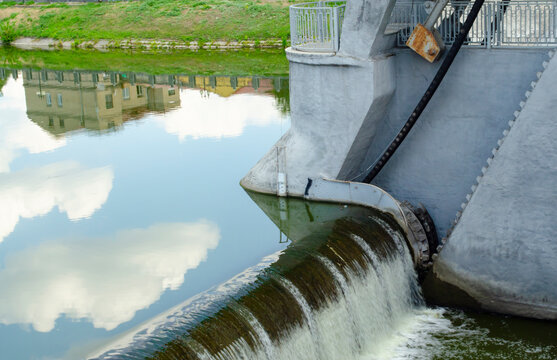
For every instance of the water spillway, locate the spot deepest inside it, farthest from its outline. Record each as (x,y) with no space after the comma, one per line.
(337,291)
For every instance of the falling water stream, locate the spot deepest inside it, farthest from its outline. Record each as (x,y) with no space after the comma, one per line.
(337,292)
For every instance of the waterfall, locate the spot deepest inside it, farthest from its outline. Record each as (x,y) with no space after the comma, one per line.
(340,292)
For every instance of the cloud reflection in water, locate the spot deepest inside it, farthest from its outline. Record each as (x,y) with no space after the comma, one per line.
(77,191)
(221,117)
(105,280)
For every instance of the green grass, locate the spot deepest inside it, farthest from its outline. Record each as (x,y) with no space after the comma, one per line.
(186,20)
(8,32)
(254,62)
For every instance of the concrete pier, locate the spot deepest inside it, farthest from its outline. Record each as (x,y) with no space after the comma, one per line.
(503,251)
(336,101)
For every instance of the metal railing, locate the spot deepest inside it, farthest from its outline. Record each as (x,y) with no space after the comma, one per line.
(501,24)
(316,26)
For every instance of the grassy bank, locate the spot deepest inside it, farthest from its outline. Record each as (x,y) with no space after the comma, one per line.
(259,62)
(184,20)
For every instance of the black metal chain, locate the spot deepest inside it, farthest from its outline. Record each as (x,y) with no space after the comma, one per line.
(447,62)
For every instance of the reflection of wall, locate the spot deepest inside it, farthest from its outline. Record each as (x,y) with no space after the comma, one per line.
(226,86)
(66,101)
(98,101)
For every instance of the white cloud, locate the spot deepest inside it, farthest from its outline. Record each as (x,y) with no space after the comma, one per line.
(104,280)
(17,132)
(220,117)
(33,192)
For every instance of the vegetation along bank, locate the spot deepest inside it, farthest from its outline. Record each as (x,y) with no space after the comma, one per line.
(268,62)
(149,24)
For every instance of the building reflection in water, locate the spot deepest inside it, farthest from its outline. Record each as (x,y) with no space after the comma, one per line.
(63,101)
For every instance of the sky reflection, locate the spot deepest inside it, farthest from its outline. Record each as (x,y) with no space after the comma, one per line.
(220,117)
(76,191)
(117,203)
(103,280)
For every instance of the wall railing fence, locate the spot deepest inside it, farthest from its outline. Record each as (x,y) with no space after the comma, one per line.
(531,23)
(317,26)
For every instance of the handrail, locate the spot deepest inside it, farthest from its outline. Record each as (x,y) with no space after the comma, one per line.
(501,24)
(316,26)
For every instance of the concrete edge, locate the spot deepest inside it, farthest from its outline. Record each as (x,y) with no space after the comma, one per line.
(484,299)
(329,58)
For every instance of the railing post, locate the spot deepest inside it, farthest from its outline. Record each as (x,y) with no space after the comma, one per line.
(336,21)
(293,28)
(500,23)
(554,34)
(488,24)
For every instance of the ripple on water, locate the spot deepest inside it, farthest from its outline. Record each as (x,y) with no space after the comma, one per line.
(439,333)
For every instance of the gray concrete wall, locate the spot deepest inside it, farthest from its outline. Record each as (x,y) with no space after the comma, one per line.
(443,154)
(363,29)
(503,251)
(329,103)
(336,101)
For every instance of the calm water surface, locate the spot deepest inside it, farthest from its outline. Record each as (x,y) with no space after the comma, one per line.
(119,200)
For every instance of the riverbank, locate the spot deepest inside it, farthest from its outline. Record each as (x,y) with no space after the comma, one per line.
(178,23)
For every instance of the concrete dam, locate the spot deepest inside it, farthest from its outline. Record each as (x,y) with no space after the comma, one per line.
(481,158)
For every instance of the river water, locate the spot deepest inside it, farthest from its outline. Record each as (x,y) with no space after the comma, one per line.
(124,233)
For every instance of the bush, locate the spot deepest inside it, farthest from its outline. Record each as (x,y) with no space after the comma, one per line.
(8,32)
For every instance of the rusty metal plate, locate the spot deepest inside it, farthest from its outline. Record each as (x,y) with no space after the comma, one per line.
(424,42)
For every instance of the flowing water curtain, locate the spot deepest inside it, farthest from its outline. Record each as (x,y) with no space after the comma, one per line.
(326,297)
